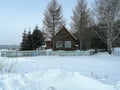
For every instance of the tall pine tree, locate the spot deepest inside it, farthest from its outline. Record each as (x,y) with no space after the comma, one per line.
(81,20)
(53,18)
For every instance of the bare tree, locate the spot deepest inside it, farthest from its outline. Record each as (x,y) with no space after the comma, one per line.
(81,19)
(108,12)
(53,18)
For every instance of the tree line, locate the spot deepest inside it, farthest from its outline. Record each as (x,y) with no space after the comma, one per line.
(104,20)
(32,41)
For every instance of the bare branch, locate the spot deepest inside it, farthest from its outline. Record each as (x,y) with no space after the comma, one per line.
(53,17)
(116,36)
(100,36)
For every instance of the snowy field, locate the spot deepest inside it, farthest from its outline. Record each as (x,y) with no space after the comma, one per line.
(97,72)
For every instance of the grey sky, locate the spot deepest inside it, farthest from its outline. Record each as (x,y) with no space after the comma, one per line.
(15,15)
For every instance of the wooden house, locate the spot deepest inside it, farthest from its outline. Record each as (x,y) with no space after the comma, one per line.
(64,40)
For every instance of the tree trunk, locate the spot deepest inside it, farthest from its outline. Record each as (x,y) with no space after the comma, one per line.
(109,45)
(81,44)
(109,49)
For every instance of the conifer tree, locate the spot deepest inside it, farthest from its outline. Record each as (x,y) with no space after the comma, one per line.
(81,20)
(29,41)
(53,18)
(24,38)
(37,37)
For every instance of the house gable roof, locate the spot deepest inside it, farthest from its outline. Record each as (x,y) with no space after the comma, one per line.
(62,30)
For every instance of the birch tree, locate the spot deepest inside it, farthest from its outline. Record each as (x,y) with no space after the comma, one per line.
(108,12)
(53,18)
(81,19)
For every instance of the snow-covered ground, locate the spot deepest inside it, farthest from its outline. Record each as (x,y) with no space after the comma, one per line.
(97,72)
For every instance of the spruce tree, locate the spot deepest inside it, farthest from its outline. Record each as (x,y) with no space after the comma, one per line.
(24,38)
(37,37)
(29,41)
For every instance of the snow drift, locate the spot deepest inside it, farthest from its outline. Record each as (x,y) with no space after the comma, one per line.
(96,72)
(55,79)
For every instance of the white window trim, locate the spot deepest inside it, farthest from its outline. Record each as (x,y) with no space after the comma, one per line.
(67,44)
(59,44)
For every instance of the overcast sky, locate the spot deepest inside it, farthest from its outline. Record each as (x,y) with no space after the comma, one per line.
(15,15)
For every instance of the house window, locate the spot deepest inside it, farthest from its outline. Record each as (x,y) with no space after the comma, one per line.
(59,44)
(67,44)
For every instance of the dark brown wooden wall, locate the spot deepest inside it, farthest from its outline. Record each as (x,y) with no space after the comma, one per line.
(64,35)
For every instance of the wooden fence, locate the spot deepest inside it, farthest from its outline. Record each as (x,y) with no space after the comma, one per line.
(42,53)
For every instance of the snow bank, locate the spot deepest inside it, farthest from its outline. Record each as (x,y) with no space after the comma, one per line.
(54,79)
(97,72)
(101,66)
(116,52)
(117,49)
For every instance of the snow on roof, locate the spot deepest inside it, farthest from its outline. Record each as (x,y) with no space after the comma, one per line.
(47,39)
(73,36)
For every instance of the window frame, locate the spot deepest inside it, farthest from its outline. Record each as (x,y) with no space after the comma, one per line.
(59,44)
(67,44)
